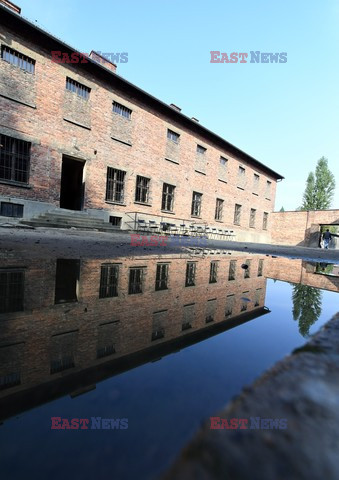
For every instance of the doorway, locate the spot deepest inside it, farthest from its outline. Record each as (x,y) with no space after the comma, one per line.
(72,186)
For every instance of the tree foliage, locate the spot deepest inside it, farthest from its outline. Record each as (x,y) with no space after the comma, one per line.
(306,307)
(320,188)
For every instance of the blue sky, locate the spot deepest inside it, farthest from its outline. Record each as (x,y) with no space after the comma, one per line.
(284,114)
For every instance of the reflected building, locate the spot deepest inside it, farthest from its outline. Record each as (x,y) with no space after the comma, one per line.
(66,324)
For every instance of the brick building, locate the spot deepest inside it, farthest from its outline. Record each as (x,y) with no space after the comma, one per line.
(78,137)
(61,318)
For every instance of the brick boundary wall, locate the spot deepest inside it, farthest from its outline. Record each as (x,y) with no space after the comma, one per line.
(299,227)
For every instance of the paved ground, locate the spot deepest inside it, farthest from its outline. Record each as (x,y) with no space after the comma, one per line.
(78,243)
(303,389)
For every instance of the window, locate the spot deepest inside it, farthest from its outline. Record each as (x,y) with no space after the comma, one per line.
(237,214)
(260,267)
(229,305)
(62,351)
(268,189)
(142,189)
(18,59)
(255,184)
(14,159)
(10,380)
(223,162)
(115,221)
(257,297)
(265,221)
(78,88)
(252,217)
(158,325)
(11,209)
(161,280)
(244,301)
(135,280)
(109,281)
(201,149)
(218,209)
(11,291)
(213,272)
(210,310)
(115,185)
(66,280)
(167,197)
(188,317)
(190,274)
(107,335)
(231,272)
(63,363)
(173,136)
(247,271)
(241,177)
(121,110)
(196,204)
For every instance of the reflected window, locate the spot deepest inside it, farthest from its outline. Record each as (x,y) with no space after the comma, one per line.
(188,317)
(136,276)
(11,290)
(190,274)
(210,310)
(260,267)
(158,325)
(244,301)
(107,335)
(213,272)
(232,269)
(229,305)
(247,271)
(257,297)
(67,280)
(109,281)
(161,280)
(218,209)
(63,351)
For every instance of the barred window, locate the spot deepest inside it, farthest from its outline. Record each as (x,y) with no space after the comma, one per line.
(229,305)
(196,204)
(10,380)
(115,185)
(135,280)
(241,177)
(122,110)
(213,272)
(201,149)
(190,274)
(173,136)
(65,362)
(18,59)
(8,209)
(237,214)
(167,197)
(252,217)
(260,267)
(231,272)
(218,209)
(265,221)
(255,183)
(142,189)
(78,88)
(161,280)
(268,189)
(223,161)
(244,301)
(247,271)
(11,291)
(109,281)
(14,159)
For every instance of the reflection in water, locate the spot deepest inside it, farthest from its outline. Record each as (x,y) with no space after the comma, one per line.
(328,269)
(306,307)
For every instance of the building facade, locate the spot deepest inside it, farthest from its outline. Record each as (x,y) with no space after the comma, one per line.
(78,137)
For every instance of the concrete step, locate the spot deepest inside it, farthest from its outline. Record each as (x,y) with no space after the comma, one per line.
(105,227)
(71,220)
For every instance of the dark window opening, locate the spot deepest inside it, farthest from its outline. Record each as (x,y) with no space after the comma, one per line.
(72,186)
(219,209)
(142,189)
(213,272)
(135,280)
(265,221)
(190,274)
(161,282)
(109,281)
(122,110)
(66,280)
(11,291)
(105,351)
(196,204)
(260,267)
(167,197)
(252,217)
(247,271)
(115,221)
(14,159)
(237,214)
(201,149)
(115,185)
(231,272)
(78,88)
(11,210)
(173,136)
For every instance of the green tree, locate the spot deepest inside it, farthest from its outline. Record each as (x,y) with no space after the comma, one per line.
(320,188)
(306,307)
(282,209)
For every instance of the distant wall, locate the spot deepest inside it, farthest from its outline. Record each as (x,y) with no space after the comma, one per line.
(301,228)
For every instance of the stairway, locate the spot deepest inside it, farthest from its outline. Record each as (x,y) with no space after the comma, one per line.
(68,219)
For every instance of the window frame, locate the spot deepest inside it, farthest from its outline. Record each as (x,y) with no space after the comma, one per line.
(109,280)
(80,89)
(121,110)
(142,189)
(15,152)
(191,270)
(161,277)
(219,209)
(115,187)
(24,62)
(196,204)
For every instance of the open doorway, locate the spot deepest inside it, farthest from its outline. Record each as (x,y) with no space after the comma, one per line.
(72,186)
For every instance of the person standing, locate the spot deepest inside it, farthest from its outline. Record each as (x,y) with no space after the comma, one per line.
(327,238)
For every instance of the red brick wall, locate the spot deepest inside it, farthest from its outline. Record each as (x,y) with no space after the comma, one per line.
(44,119)
(300,228)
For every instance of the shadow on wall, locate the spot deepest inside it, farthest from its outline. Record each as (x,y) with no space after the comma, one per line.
(313,235)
